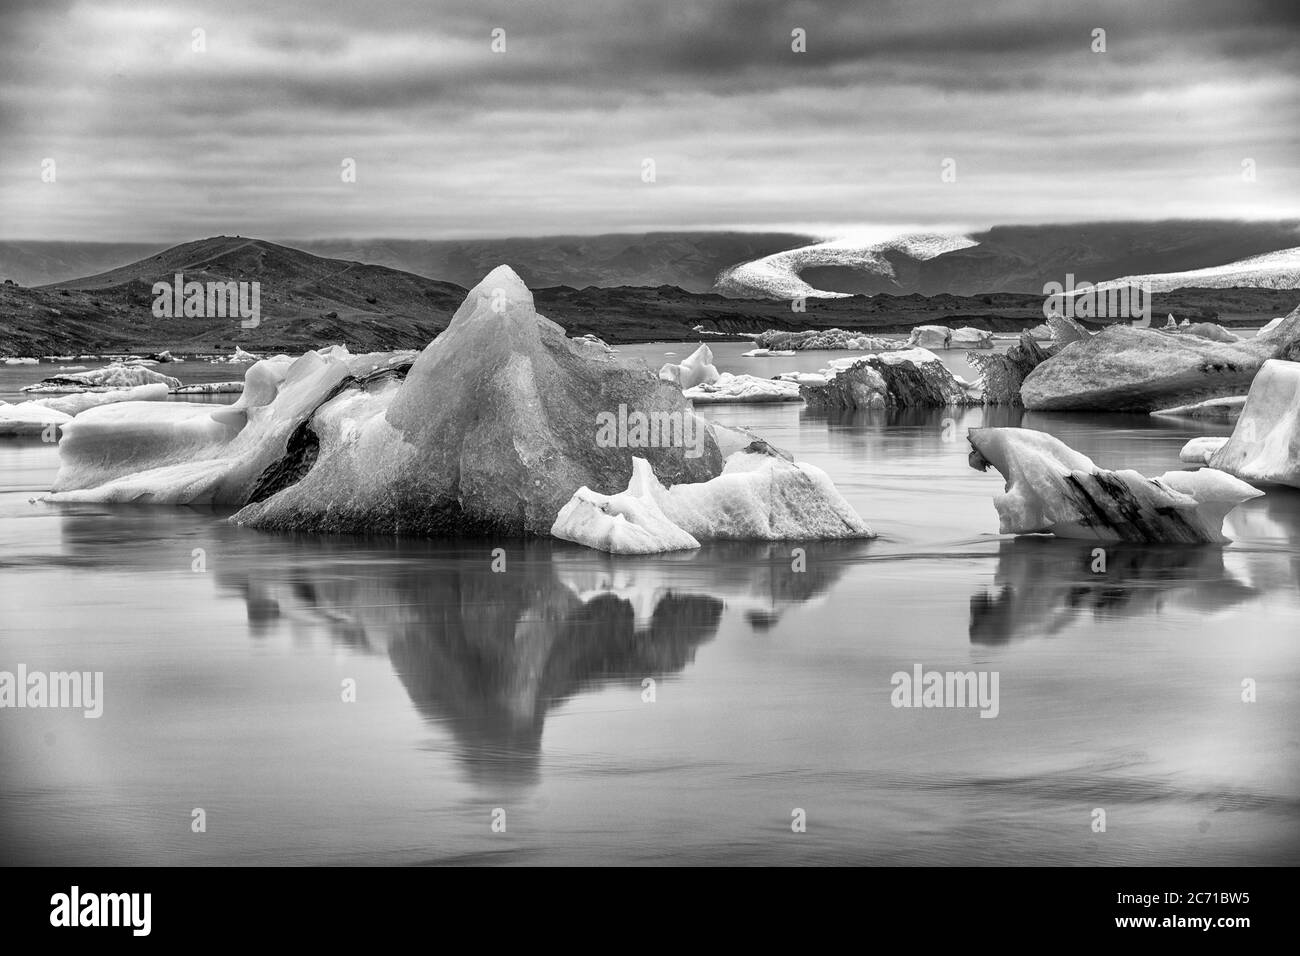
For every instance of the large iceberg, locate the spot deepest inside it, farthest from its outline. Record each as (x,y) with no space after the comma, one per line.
(1265,444)
(1050,487)
(489,431)
(1127,368)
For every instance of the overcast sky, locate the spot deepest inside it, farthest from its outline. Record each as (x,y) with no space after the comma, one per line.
(154,141)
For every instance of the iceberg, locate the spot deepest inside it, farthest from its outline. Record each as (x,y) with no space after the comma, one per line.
(696,369)
(1200,450)
(1265,444)
(968,338)
(1127,368)
(904,379)
(807,378)
(1002,374)
(760,495)
(1050,487)
(488,431)
(630,522)
(30,418)
(115,376)
(78,402)
(1065,331)
(743,389)
(930,337)
(191,453)
(776,341)
(238,357)
(1209,330)
(210,388)
(496,423)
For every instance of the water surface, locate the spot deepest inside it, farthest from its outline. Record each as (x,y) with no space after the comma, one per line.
(525,690)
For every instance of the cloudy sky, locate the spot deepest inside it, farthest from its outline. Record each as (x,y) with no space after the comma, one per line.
(153,140)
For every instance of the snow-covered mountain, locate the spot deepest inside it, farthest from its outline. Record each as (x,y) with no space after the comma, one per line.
(778,276)
(1022,258)
(1270,270)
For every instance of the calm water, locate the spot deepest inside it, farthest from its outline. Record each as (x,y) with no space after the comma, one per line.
(523,691)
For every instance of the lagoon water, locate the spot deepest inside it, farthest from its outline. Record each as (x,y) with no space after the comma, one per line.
(226,652)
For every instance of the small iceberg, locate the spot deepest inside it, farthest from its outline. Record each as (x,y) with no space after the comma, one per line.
(1051,488)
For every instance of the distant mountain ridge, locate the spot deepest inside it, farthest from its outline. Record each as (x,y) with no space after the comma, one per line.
(777,265)
(309,301)
(688,260)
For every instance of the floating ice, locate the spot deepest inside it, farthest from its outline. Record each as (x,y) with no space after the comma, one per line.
(1265,444)
(760,495)
(1050,487)
(696,369)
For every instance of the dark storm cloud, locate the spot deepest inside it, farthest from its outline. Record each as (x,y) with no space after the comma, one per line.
(155,141)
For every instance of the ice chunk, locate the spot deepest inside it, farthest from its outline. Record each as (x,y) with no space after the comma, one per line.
(1265,444)
(78,402)
(30,418)
(930,337)
(760,495)
(741,389)
(970,338)
(117,375)
(191,453)
(696,369)
(1199,451)
(1050,487)
(630,522)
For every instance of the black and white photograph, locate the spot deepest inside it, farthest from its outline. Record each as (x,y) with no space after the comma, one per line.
(722,433)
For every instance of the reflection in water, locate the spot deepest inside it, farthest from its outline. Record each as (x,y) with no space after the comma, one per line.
(925,419)
(488,654)
(1043,584)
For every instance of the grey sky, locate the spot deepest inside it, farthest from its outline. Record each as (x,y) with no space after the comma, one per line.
(153,141)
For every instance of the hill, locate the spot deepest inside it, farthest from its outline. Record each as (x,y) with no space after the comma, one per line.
(308,301)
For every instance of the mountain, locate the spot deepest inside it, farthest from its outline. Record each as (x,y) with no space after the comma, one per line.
(308,301)
(1010,258)
(1271,270)
(303,299)
(689,260)
(40,263)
